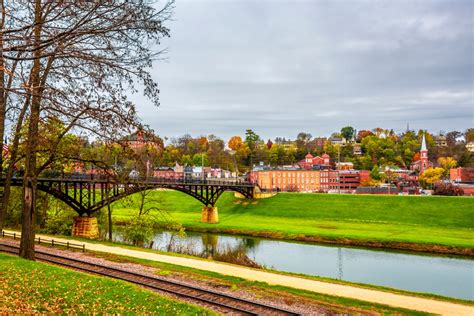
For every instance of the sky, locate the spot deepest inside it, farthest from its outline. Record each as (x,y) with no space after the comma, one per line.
(284,67)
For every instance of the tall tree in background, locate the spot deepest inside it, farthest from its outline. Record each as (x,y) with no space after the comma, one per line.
(348,132)
(251,140)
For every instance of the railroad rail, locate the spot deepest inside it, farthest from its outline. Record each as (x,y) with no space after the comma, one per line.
(229,303)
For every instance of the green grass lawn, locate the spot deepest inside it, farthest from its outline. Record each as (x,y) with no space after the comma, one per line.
(425,220)
(28,287)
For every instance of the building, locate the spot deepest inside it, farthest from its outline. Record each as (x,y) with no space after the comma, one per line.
(296,179)
(286,179)
(461,174)
(422,164)
(441,141)
(357,149)
(141,139)
(349,180)
(344,166)
(317,143)
(470,146)
(338,141)
(315,163)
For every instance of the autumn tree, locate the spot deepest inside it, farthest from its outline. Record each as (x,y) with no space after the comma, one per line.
(63,50)
(430,176)
(447,163)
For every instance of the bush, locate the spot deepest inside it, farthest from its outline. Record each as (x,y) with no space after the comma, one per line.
(139,230)
(59,222)
(442,188)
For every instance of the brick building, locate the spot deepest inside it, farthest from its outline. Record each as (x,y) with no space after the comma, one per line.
(294,179)
(315,163)
(461,174)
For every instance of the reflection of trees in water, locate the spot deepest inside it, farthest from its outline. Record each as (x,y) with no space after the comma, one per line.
(212,247)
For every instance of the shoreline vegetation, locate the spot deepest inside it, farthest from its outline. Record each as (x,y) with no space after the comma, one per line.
(428,224)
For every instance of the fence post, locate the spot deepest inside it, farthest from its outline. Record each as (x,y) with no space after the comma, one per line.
(83,248)
(39,240)
(52,242)
(14,236)
(67,245)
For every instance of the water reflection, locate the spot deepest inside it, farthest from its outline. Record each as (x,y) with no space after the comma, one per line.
(452,277)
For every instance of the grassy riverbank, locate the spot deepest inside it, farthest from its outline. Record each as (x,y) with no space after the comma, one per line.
(438,224)
(31,287)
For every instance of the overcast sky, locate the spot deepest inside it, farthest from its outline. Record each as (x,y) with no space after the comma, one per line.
(282,67)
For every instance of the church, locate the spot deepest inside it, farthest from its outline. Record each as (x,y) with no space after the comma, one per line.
(422,164)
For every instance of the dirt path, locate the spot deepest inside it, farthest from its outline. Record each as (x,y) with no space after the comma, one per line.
(374,296)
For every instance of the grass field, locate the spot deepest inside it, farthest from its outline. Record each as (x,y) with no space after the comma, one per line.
(28,287)
(423,221)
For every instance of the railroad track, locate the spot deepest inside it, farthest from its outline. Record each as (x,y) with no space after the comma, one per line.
(223,302)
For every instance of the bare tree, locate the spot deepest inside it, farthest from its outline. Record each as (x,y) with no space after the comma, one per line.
(77,60)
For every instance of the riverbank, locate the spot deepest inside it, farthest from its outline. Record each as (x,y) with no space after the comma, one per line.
(418,223)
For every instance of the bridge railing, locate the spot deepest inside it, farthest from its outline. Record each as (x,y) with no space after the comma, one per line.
(48,241)
(165,180)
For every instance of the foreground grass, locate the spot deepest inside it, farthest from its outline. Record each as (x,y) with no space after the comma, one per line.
(352,219)
(28,287)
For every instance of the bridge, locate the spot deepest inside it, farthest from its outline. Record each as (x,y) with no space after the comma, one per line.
(87,194)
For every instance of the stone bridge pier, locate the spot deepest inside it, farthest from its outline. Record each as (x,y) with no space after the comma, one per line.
(209,214)
(84,226)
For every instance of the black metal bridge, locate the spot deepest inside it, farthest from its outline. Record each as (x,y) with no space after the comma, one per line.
(88,195)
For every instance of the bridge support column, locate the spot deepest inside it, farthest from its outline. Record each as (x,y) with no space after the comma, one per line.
(85,227)
(209,215)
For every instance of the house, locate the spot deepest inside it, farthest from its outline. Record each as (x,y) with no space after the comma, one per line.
(310,162)
(441,141)
(357,149)
(141,139)
(470,147)
(338,141)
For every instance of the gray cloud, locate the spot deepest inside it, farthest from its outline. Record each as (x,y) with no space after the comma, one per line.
(281,67)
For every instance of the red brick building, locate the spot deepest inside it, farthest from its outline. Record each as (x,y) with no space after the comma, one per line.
(292,179)
(461,174)
(310,162)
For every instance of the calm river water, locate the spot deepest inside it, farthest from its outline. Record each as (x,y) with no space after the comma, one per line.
(445,276)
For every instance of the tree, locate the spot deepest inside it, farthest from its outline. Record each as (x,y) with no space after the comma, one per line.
(348,132)
(452,137)
(447,163)
(469,135)
(251,140)
(200,160)
(64,49)
(235,143)
(362,134)
(430,176)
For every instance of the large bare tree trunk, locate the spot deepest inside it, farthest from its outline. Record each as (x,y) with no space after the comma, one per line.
(3,102)
(27,245)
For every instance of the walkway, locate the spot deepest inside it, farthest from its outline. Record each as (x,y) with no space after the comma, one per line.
(374,296)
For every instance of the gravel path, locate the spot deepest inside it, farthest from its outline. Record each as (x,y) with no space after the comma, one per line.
(369,295)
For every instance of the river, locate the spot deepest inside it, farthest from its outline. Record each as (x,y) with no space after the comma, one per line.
(447,276)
